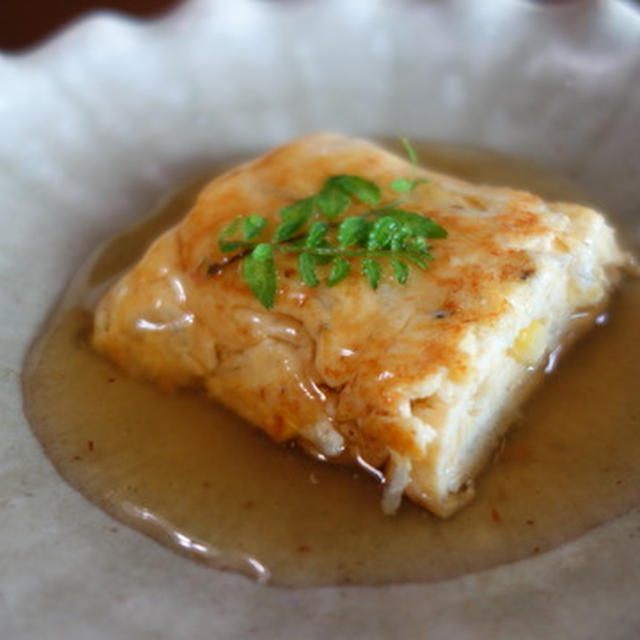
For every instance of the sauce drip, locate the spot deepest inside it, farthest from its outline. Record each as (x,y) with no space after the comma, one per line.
(188,473)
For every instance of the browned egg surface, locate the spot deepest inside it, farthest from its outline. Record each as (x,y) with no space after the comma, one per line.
(186,472)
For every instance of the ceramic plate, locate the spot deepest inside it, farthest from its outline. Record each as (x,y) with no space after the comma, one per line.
(98,123)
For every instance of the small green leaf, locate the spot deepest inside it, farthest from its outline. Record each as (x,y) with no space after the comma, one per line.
(399,238)
(364,190)
(352,231)
(230,230)
(417,244)
(252,227)
(227,246)
(307,268)
(316,234)
(294,217)
(285,231)
(263,252)
(382,232)
(417,224)
(400,270)
(259,272)
(402,185)
(372,271)
(332,200)
(420,260)
(339,271)
(298,210)
(411,152)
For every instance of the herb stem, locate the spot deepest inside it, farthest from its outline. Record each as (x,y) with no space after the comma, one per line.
(344,253)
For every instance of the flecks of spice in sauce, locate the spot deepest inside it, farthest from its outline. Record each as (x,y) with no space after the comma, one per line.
(189,474)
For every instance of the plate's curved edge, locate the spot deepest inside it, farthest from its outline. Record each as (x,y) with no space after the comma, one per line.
(76,29)
(89,25)
(83,27)
(105,21)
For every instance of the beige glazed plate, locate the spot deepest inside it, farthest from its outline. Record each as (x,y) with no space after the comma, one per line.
(102,121)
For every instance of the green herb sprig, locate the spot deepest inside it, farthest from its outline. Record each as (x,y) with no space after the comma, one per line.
(320,232)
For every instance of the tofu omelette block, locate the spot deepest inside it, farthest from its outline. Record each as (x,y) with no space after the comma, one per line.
(417,380)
